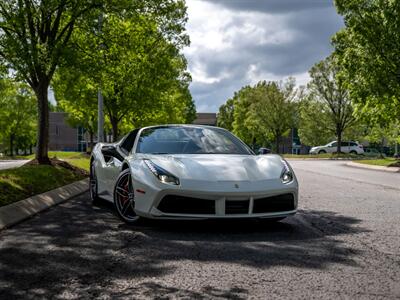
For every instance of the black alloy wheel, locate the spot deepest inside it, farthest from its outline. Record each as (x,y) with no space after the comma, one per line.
(124,198)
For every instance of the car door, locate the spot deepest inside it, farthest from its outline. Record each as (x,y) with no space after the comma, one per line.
(114,156)
(332,148)
(344,147)
(110,169)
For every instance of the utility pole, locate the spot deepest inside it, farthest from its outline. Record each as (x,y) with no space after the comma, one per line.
(100,116)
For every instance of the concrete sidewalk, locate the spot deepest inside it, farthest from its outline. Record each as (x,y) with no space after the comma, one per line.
(16,212)
(10,164)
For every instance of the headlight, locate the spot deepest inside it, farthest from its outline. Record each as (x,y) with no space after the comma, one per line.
(287,173)
(163,175)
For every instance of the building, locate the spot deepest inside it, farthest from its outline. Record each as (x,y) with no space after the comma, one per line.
(206,119)
(62,136)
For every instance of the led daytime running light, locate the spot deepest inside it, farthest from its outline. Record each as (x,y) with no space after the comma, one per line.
(161,174)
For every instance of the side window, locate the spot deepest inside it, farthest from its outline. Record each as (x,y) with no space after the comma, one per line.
(127,144)
(334,144)
(344,144)
(352,144)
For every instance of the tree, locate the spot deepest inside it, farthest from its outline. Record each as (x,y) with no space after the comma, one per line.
(76,95)
(274,108)
(314,117)
(383,134)
(226,115)
(34,37)
(17,115)
(243,125)
(137,61)
(328,88)
(368,49)
(265,112)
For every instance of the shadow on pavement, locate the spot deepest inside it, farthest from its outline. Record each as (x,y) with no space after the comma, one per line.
(76,250)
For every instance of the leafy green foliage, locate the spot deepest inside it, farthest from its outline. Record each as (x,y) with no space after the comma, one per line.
(135,58)
(226,115)
(34,38)
(76,95)
(17,115)
(265,112)
(368,49)
(314,118)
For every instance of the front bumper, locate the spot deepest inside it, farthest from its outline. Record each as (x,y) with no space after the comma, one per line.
(267,199)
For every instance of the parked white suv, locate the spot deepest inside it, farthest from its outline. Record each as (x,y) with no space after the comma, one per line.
(346,147)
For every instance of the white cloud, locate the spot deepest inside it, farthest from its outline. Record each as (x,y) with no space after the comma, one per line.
(235,43)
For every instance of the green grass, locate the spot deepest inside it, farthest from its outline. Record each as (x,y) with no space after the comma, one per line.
(77,159)
(20,183)
(324,155)
(378,162)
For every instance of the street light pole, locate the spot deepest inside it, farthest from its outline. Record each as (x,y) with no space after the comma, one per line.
(100,116)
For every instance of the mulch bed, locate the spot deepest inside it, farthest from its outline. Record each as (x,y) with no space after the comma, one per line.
(395,164)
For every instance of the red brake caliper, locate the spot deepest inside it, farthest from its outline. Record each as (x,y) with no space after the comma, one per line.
(125,198)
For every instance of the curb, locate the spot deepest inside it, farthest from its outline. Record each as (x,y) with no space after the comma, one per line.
(19,211)
(371,167)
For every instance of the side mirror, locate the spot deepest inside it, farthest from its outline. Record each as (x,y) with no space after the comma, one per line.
(264,151)
(110,151)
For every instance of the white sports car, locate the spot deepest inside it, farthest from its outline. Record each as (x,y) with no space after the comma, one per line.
(190,172)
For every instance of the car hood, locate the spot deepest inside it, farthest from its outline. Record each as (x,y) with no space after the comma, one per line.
(220,167)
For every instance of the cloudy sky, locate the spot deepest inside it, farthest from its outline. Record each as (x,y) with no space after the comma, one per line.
(239,42)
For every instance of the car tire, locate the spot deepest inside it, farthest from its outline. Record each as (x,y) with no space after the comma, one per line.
(124,200)
(93,186)
(353,152)
(321,152)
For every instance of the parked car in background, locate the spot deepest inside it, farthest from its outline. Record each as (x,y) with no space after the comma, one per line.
(373,152)
(345,147)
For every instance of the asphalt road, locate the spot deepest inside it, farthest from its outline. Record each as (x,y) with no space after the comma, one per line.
(9,164)
(343,244)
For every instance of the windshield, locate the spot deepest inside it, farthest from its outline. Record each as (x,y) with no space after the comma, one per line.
(189,140)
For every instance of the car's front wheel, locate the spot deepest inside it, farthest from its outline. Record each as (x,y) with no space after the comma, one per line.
(321,152)
(124,198)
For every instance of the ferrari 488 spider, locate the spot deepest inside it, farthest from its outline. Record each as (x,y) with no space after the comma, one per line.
(190,172)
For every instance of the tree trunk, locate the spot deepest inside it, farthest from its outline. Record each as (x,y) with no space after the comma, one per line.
(11,144)
(339,141)
(114,125)
(30,149)
(43,123)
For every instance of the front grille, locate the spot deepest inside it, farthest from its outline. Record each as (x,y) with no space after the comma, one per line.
(186,205)
(274,204)
(237,207)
